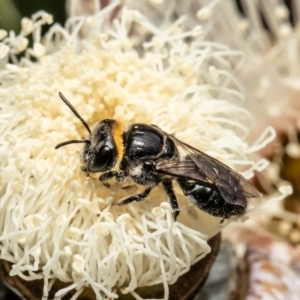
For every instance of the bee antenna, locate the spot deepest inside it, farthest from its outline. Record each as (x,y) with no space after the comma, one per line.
(71,142)
(63,98)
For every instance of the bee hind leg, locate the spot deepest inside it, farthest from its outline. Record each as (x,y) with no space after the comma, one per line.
(172,198)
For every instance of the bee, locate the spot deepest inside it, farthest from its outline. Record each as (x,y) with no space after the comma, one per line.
(150,156)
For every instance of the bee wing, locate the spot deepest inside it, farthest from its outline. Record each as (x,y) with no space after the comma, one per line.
(198,166)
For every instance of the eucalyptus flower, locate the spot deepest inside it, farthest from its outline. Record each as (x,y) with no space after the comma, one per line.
(58,224)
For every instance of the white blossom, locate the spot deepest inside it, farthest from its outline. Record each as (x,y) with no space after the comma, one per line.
(58,223)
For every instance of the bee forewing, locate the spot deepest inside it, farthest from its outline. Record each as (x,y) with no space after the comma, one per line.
(194,164)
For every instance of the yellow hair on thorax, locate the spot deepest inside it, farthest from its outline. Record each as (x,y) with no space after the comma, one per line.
(117,134)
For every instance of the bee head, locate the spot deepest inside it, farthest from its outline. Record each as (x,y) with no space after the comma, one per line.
(100,151)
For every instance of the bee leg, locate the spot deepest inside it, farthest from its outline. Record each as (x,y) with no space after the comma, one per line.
(172,198)
(111,174)
(137,197)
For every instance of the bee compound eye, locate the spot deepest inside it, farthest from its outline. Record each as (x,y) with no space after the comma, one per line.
(103,160)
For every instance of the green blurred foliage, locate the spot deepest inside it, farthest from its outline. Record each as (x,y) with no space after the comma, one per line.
(9,15)
(12,11)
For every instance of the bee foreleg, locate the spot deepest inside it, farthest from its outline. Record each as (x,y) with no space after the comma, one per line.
(111,174)
(172,198)
(137,197)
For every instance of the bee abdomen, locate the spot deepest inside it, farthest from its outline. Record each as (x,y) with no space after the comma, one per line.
(209,199)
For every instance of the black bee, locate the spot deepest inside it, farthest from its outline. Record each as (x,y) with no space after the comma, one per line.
(150,156)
